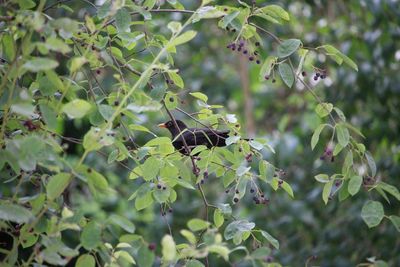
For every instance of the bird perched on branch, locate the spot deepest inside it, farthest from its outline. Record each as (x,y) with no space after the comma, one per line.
(194,136)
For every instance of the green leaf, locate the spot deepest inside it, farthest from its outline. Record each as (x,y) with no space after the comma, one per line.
(275,11)
(9,49)
(76,63)
(237,227)
(91,236)
(323,109)
(242,170)
(371,163)
(171,101)
(183,38)
(26,4)
(57,184)
(288,47)
(123,222)
(143,198)
(85,260)
(260,253)
(106,111)
(288,189)
(390,189)
(145,257)
(207,12)
(266,68)
(229,18)
(372,213)
(395,221)
(189,236)
(219,249)
(168,248)
(40,64)
(218,218)
(256,145)
(287,74)
(194,263)
(197,224)
(273,241)
(174,26)
(338,56)
(327,191)
(123,20)
(343,134)
(14,213)
(354,184)
(231,140)
(316,134)
(176,78)
(77,108)
(200,96)
(150,168)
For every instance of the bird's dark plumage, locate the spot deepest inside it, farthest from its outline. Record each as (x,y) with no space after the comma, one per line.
(194,136)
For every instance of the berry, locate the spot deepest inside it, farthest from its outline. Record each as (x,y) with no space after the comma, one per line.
(170,210)
(322,77)
(89,170)
(317,74)
(171,99)
(98,72)
(116,103)
(152,246)
(205,174)
(227,191)
(257,43)
(273,81)
(252,190)
(266,77)
(258,61)
(237,191)
(159,186)
(245,52)
(236,200)
(225,9)
(315,78)
(304,73)
(251,58)
(164,188)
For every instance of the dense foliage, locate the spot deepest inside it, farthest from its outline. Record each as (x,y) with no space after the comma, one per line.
(88,179)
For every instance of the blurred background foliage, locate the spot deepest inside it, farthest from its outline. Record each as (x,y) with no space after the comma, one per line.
(366,31)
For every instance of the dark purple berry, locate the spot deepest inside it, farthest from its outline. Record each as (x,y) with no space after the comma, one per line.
(252,190)
(304,73)
(315,78)
(159,186)
(236,200)
(251,58)
(152,246)
(258,61)
(245,52)
(266,77)
(98,72)
(257,43)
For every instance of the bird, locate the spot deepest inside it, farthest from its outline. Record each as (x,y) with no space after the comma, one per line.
(194,136)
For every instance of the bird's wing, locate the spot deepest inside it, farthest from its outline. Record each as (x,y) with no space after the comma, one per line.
(205,136)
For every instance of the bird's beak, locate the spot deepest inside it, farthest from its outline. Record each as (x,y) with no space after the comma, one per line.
(162,125)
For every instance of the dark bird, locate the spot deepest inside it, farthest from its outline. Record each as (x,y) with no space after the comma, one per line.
(194,136)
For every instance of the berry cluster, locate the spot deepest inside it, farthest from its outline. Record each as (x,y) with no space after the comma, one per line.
(319,74)
(242,48)
(328,153)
